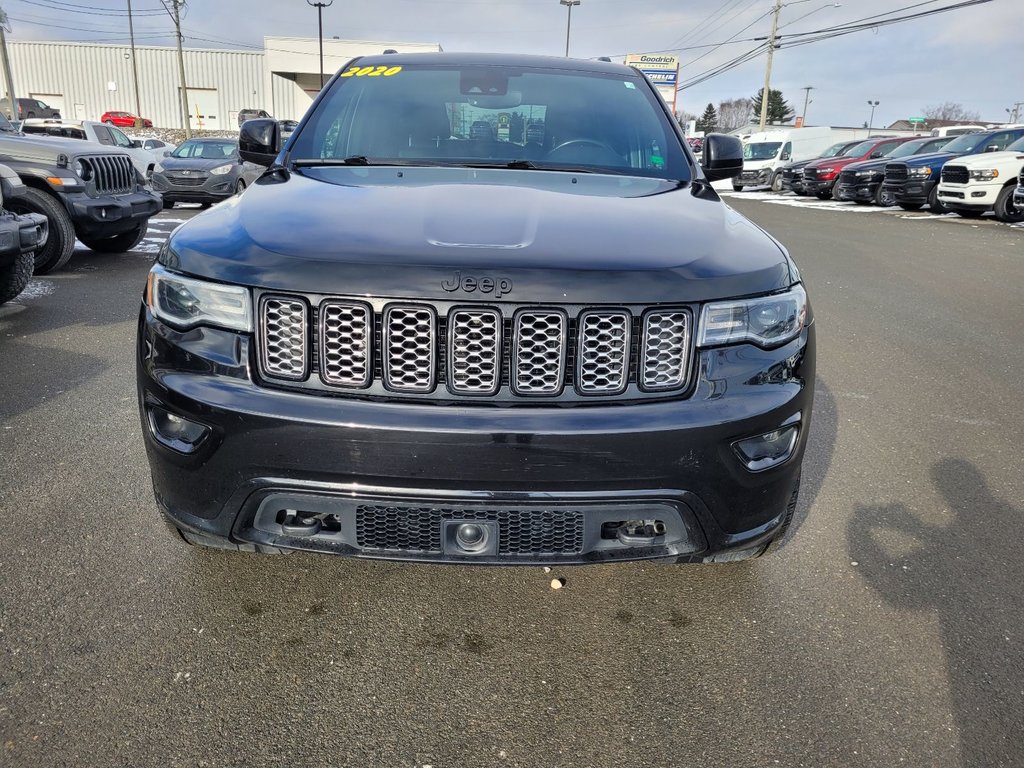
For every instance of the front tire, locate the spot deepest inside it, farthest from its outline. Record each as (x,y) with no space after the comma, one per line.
(968,213)
(777,182)
(911,206)
(168,204)
(881,199)
(239,187)
(737,187)
(935,204)
(1006,211)
(118,243)
(825,194)
(61,242)
(15,276)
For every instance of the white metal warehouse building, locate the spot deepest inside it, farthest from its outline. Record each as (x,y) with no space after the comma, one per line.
(84,80)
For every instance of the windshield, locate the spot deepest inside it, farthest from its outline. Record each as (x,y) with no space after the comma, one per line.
(431,115)
(965,144)
(206,149)
(835,149)
(911,147)
(859,149)
(764,150)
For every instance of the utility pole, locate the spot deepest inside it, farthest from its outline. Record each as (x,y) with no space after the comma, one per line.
(807,97)
(871,121)
(768,69)
(568,25)
(173,8)
(5,27)
(135,66)
(1015,113)
(320,26)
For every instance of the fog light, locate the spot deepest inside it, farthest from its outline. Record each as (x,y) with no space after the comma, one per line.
(471,537)
(767,450)
(978,194)
(175,432)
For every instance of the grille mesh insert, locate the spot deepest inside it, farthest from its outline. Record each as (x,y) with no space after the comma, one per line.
(540,352)
(603,352)
(474,352)
(409,357)
(345,330)
(666,347)
(283,349)
(520,531)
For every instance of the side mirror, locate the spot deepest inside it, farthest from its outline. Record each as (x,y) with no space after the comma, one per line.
(259,141)
(723,157)
(167,153)
(786,156)
(991,148)
(136,144)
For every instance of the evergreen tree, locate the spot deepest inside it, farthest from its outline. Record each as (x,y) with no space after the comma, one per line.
(779,110)
(708,122)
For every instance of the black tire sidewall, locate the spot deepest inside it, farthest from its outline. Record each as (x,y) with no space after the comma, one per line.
(15,276)
(1003,205)
(60,243)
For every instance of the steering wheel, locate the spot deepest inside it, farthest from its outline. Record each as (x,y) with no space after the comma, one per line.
(608,156)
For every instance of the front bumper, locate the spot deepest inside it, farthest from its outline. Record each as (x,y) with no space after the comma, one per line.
(910,192)
(213,189)
(858,190)
(269,451)
(111,215)
(21,234)
(818,186)
(758,178)
(976,196)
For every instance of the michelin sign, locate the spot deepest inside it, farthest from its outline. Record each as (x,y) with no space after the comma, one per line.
(661,70)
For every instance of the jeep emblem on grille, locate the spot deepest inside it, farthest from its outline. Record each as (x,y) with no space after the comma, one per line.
(470,283)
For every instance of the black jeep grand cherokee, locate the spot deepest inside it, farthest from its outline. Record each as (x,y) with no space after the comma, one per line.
(410,340)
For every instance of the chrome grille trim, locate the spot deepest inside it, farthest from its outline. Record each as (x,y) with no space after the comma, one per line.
(283,347)
(603,352)
(409,338)
(346,334)
(665,349)
(474,351)
(539,349)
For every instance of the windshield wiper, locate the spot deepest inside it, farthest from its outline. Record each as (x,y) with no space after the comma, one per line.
(529,165)
(352,160)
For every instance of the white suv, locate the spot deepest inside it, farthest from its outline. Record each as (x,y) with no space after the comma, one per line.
(975,184)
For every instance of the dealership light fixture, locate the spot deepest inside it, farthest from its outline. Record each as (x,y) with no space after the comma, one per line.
(568,24)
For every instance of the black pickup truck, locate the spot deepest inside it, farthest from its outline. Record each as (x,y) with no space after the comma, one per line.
(20,237)
(85,190)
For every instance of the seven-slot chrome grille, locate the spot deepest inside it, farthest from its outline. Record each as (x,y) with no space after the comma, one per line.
(445,351)
(111,174)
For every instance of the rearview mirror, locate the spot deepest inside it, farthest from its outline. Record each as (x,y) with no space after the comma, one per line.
(259,141)
(722,157)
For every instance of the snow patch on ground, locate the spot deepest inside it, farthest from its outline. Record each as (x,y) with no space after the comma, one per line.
(37,289)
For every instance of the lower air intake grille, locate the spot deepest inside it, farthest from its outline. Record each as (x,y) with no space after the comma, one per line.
(520,531)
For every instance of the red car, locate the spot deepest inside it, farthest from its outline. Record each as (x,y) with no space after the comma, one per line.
(820,175)
(124,120)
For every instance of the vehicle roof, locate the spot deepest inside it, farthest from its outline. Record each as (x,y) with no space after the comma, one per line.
(500,59)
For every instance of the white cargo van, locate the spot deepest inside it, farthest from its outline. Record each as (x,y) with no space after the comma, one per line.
(957,130)
(765,154)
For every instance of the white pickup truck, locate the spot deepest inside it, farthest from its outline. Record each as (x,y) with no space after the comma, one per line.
(90,130)
(974,184)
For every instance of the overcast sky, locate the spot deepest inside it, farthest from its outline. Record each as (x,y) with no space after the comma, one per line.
(974,56)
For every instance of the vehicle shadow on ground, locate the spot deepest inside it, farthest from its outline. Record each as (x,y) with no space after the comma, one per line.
(918,566)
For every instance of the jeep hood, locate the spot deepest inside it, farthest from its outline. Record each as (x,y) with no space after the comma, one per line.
(39,147)
(557,237)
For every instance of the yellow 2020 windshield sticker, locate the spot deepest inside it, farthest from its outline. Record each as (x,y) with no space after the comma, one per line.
(379,71)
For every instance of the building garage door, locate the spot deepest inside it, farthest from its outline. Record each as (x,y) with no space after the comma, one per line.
(203,109)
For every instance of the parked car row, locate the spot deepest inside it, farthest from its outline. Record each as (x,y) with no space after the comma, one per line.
(967,174)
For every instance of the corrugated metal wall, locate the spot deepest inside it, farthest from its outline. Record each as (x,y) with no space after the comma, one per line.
(80,73)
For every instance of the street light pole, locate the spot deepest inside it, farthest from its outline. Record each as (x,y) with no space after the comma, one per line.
(871,121)
(568,25)
(807,98)
(320,26)
(135,66)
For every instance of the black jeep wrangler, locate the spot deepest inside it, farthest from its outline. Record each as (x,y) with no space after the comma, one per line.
(84,190)
(20,238)
(413,340)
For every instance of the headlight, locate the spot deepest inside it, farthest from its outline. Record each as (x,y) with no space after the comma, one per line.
(220,170)
(985,175)
(766,321)
(920,172)
(158,168)
(185,302)
(83,169)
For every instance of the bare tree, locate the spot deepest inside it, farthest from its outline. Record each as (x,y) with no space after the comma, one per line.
(733,114)
(950,111)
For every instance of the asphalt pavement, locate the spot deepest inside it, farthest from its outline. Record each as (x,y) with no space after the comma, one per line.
(887,632)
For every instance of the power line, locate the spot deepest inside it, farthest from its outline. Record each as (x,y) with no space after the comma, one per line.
(58,5)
